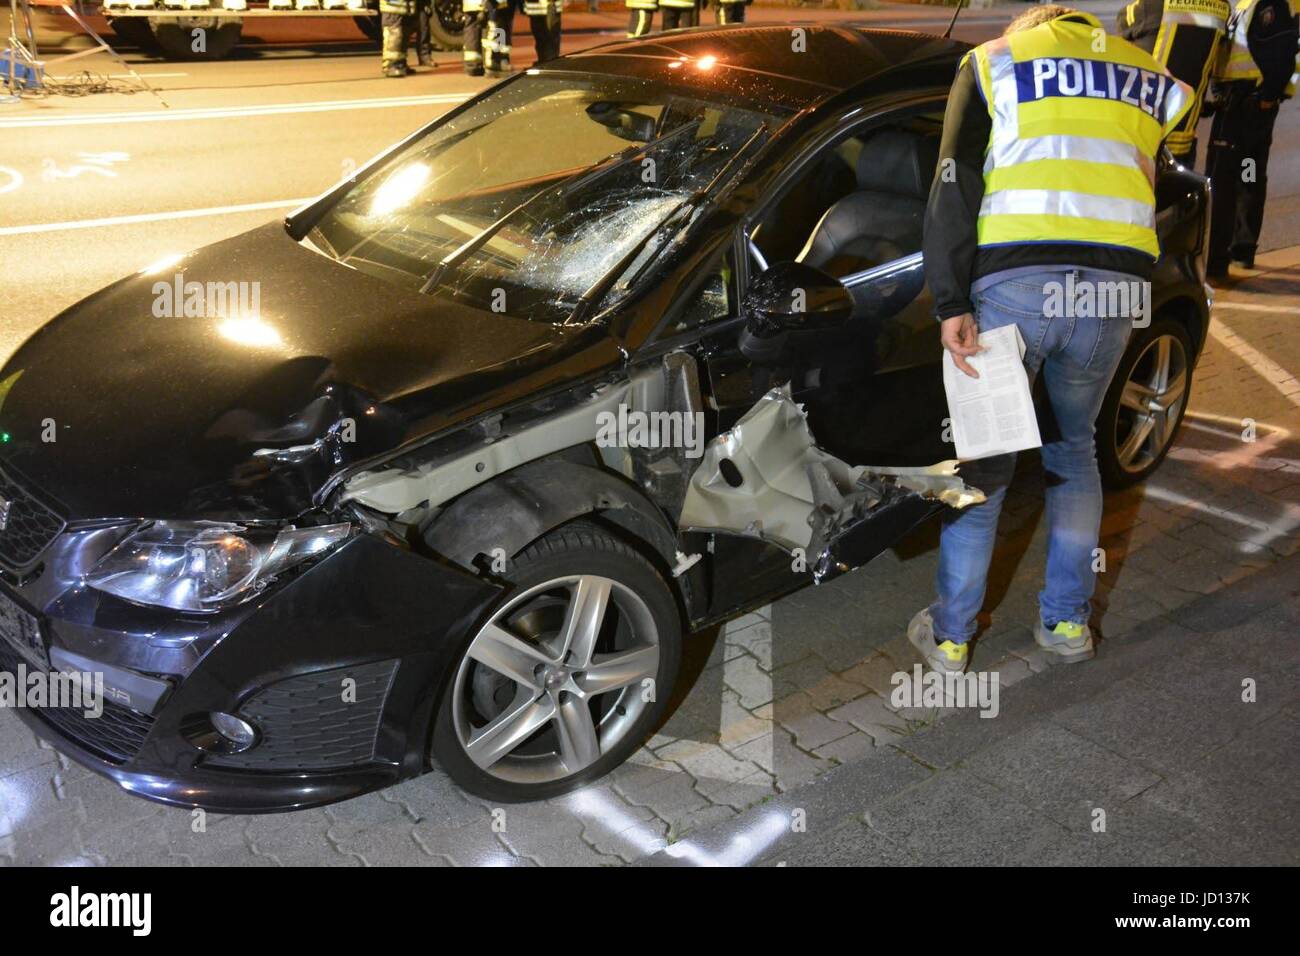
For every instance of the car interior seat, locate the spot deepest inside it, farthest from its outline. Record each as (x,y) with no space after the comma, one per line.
(882,220)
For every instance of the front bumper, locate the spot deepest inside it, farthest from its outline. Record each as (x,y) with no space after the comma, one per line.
(338,668)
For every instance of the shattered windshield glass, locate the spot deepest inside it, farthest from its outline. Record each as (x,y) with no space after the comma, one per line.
(523,202)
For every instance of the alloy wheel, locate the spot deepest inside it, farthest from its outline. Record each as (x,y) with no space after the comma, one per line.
(555,679)
(1151,404)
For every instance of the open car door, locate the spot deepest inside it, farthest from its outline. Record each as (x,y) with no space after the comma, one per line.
(766,478)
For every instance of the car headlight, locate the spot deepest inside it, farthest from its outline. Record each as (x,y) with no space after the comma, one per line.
(205,565)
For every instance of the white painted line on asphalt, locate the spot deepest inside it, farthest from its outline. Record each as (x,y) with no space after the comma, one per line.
(149,217)
(1251,307)
(1265,532)
(230,112)
(14,181)
(1273,373)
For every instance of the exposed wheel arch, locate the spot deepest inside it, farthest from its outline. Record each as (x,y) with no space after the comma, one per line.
(515,509)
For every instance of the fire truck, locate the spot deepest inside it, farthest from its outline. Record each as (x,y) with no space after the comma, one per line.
(170,24)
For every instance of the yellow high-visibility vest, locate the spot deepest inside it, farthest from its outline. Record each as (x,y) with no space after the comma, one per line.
(1235,61)
(1078,117)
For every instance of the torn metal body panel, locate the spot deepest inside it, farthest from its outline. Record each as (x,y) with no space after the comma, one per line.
(767,478)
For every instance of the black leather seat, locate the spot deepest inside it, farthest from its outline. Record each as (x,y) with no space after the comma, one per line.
(882,220)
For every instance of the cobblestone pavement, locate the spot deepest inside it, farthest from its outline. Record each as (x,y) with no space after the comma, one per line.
(784,695)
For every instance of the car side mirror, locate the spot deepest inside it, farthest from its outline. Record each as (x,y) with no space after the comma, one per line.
(791,308)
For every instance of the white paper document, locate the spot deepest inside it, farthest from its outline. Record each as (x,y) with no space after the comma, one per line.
(992,414)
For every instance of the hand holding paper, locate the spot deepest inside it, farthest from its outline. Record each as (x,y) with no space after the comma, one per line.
(992,414)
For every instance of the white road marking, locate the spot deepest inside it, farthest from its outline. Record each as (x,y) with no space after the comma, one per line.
(149,217)
(1265,532)
(1273,373)
(230,112)
(1251,307)
(15,179)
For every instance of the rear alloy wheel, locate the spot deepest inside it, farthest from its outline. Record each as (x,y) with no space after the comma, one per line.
(568,676)
(1145,403)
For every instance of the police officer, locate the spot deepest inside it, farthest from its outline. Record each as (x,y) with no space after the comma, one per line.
(677,14)
(1255,72)
(398,19)
(1184,35)
(1045,180)
(490,27)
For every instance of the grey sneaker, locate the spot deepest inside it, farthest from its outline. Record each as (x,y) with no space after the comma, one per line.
(946,657)
(1069,641)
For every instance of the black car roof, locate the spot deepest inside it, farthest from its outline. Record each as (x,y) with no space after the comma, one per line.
(764,63)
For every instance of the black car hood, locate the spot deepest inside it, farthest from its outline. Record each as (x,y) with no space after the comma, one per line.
(114,412)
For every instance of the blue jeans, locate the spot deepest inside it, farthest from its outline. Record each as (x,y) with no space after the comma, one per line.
(1077,357)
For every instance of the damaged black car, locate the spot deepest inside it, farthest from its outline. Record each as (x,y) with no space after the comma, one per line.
(608,354)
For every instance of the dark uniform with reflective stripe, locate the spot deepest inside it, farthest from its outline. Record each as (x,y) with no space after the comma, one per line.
(490,27)
(1245,110)
(1184,36)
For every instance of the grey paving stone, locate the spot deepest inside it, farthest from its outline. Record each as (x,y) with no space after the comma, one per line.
(850,844)
(996,828)
(1059,773)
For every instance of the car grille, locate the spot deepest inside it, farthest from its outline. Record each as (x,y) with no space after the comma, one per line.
(116,735)
(29,527)
(306,725)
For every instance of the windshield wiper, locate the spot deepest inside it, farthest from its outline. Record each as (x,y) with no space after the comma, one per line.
(559,190)
(602,285)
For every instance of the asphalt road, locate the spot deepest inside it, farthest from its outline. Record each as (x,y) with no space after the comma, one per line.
(94,187)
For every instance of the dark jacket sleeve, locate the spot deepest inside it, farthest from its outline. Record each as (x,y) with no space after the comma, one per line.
(955,195)
(1273,46)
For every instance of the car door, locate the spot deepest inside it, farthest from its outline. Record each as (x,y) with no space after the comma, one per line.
(831,455)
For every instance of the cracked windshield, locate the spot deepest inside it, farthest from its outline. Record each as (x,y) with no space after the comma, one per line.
(540,192)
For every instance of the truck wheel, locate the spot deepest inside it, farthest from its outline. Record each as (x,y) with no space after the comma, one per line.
(196,38)
(447,25)
(133,31)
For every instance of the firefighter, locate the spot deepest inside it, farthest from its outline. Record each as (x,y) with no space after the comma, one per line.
(472,39)
(489,31)
(677,14)
(1046,178)
(398,19)
(1255,72)
(1184,36)
(730,11)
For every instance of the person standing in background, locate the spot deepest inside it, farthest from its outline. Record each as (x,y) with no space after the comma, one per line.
(1255,73)
(1183,36)
(397,18)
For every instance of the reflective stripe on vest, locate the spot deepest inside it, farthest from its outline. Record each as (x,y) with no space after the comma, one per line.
(1078,117)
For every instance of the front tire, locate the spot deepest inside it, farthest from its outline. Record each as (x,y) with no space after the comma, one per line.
(568,677)
(1145,403)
